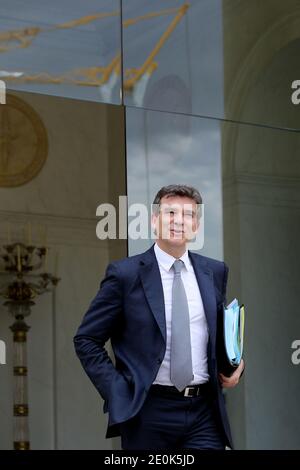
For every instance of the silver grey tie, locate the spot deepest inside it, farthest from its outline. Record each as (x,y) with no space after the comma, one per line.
(181,354)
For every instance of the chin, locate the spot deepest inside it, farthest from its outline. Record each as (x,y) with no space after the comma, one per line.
(176,241)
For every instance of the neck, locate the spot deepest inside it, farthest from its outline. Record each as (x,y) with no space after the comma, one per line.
(175,251)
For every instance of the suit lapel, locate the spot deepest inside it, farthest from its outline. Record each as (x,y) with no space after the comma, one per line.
(205,280)
(152,285)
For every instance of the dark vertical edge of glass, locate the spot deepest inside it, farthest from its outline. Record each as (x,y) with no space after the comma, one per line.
(121,61)
(126,172)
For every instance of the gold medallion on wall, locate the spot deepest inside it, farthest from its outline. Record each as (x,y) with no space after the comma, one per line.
(23,142)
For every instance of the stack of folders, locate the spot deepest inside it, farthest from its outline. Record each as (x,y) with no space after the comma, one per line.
(233,336)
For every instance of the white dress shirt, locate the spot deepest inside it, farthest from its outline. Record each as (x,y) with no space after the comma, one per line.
(198,323)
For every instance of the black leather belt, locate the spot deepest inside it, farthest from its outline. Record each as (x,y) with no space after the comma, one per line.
(189,392)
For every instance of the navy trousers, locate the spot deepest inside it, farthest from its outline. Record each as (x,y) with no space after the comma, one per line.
(173,422)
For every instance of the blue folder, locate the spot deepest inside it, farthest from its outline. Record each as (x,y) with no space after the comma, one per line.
(231,337)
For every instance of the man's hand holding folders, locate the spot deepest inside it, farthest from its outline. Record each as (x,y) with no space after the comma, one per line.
(230,341)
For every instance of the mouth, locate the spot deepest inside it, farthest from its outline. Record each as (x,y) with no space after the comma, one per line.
(177,232)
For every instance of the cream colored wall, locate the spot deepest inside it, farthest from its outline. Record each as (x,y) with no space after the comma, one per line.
(65,409)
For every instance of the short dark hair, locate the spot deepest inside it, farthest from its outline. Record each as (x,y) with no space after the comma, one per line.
(177,190)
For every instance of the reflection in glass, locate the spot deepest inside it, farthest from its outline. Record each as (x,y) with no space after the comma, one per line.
(259,204)
(261,189)
(85,167)
(176,63)
(261,61)
(71,50)
(164,149)
(215,58)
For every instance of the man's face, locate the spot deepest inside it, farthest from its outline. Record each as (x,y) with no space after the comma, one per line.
(177,222)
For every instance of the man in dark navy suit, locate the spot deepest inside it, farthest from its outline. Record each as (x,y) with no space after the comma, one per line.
(160,310)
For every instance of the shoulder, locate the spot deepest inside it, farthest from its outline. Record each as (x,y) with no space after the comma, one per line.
(218,269)
(127,267)
(128,262)
(215,265)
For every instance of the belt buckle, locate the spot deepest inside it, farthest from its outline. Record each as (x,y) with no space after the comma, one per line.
(187,390)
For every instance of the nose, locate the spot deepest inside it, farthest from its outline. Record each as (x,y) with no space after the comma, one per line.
(178,219)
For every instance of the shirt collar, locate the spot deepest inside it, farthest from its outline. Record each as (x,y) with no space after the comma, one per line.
(166,261)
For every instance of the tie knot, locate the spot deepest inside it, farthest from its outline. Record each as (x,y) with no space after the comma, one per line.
(178,265)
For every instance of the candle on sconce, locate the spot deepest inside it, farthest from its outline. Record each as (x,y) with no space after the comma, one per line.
(46,259)
(43,235)
(19,265)
(40,234)
(29,237)
(56,264)
(8,233)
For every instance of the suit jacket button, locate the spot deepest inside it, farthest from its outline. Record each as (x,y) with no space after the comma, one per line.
(159,360)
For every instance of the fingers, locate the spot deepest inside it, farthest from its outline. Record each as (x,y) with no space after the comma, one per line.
(233,380)
(229,382)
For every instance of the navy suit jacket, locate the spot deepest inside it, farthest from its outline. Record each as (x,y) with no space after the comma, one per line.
(129,310)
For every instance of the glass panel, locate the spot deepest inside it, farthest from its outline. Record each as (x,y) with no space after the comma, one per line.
(261,61)
(167,148)
(261,189)
(249,177)
(170,67)
(217,58)
(71,49)
(60,159)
